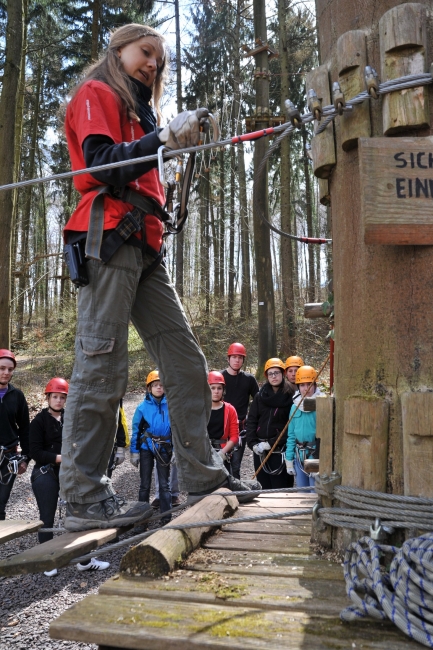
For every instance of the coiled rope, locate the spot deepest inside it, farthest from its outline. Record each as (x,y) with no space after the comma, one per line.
(404,595)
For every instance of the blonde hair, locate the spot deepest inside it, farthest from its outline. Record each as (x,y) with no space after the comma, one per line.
(110,70)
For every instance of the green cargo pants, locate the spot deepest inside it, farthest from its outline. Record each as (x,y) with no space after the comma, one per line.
(113,297)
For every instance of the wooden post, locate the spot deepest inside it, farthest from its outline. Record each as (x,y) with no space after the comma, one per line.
(417,412)
(324,196)
(403,51)
(162,551)
(365,443)
(322,146)
(325,432)
(352,59)
(315,310)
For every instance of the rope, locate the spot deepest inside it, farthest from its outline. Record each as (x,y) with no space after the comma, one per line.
(262,464)
(409,81)
(202,524)
(404,595)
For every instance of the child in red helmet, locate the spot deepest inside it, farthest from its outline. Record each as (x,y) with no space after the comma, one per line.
(45,438)
(223,426)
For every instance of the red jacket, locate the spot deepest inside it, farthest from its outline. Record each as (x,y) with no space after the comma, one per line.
(231,425)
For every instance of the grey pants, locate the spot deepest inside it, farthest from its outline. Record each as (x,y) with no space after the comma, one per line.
(113,297)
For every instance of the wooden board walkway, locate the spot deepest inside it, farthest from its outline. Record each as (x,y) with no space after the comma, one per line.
(252,586)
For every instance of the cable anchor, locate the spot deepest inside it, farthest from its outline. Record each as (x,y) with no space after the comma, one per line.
(293,114)
(314,104)
(338,98)
(371,81)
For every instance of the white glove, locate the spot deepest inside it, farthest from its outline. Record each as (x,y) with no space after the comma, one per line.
(119,456)
(135,459)
(223,455)
(290,468)
(261,447)
(184,130)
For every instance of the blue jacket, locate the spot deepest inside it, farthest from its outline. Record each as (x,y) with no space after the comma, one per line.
(301,428)
(153,417)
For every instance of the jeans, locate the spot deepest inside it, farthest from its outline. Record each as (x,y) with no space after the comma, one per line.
(147,460)
(303,479)
(46,490)
(5,492)
(174,482)
(114,296)
(273,481)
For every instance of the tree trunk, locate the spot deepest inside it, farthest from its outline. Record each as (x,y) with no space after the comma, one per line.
(231,292)
(222,222)
(96,15)
(267,343)
(383,343)
(8,106)
(25,218)
(309,214)
(288,337)
(180,236)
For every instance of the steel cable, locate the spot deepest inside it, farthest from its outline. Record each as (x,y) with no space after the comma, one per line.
(404,595)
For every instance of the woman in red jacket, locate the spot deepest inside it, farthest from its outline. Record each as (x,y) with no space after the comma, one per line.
(223,426)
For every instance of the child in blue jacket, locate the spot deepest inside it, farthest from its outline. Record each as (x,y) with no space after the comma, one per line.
(151,442)
(301,440)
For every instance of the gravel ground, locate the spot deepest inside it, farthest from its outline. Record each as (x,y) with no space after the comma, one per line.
(29,603)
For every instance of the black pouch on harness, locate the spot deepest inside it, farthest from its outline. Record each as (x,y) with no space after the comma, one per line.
(76,263)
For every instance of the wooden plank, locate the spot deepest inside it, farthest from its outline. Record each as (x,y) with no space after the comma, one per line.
(315,310)
(403,48)
(417,416)
(264,543)
(285,504)
(282,495)
(325,431)
(264,527)
(351,61)
(240,590)
(139,623)
(13,528)
(298,519)
(396,190)
(265,564)
(56,553)
(162,552)
(322,145)
(365,443)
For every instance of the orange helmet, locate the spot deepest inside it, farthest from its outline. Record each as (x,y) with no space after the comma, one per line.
(237,348)
(57,385)
(215,377)
(152,376)
(294,361)
(7,354)
(274,363)
(305,375)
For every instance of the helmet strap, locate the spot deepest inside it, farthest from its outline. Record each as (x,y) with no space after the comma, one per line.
(50,408)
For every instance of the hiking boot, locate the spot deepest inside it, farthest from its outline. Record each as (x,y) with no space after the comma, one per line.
(155,504)
(175,501)
(113,512)
(233,484)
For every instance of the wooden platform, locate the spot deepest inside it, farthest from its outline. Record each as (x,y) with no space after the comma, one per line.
(252,586)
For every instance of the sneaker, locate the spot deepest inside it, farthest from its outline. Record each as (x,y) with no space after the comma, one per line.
(51,573)
(155,504)
(232,484)
(175,501)
(93,565)
(113,512)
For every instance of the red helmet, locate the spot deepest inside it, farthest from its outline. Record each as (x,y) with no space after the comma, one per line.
(7,354)
(236,348)
(215,377)
(57,385)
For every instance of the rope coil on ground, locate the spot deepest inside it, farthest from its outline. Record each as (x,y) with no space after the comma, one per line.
(404,595)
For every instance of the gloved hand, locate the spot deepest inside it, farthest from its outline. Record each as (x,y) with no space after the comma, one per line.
(261,447)
(119,456)
(223,455)
(184,130)
(290,468)
(135,459)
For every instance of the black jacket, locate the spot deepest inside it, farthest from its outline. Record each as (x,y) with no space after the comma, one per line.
(14,420)
(45,438)
(268,416)
(239,389)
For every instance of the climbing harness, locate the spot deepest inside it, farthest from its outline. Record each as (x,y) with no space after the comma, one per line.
(9,464)
(404,595)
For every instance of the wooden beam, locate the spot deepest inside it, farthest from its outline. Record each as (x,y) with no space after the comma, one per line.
(315,310)
(13,528)
(56,553)
(322,145)
(161,552)
(403,51)
(417,412)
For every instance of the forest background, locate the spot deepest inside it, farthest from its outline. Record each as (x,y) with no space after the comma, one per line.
(44,48)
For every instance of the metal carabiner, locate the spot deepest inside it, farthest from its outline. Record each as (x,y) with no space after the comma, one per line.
(161,172)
